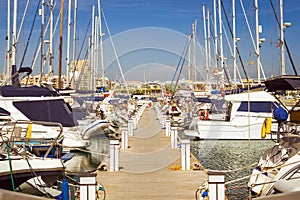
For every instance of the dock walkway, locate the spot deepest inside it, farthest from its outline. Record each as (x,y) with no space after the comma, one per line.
(145,167)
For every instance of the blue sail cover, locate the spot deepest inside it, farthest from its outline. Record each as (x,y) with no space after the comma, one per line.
(32,91)
(47,110)
(258,106)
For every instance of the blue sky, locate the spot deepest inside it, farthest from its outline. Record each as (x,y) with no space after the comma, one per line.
(171,16)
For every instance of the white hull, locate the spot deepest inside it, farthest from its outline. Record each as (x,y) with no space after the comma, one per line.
(239,129)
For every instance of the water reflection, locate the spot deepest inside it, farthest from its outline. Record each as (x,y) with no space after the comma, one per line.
(228,155)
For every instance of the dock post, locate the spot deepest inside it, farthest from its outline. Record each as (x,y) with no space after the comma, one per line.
(174,134)
(88,186)
(168,127)
(185,154)
(216,185)
(130,127)
(134,122)
(114,155)
(124,130)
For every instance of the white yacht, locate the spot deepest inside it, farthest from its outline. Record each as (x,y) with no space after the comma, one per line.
(245,117)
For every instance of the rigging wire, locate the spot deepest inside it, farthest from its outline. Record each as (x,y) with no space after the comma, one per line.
(76,61)
(115,52)
(30,33)
(237,49)
(185,49)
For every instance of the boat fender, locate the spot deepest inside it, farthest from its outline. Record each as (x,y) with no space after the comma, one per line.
(203,115)
(29,130)
(266,127)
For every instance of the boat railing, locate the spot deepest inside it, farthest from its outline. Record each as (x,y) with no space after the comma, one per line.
(20,133)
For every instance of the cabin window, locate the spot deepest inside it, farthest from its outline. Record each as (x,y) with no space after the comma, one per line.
(258,106)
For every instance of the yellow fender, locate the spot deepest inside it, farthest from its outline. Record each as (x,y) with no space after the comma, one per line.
(29,130)
(266,127)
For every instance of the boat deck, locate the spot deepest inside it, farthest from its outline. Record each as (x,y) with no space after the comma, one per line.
(149,167)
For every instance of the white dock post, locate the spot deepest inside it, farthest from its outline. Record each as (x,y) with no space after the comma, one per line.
(216,185)
(185,154)
(134,122)
(168,127)
(174,134)
(124,130)
(130,127)
(88,186)
(114,155)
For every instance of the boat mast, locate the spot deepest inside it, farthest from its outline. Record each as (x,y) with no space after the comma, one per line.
(257,42)
(205,43)
(283,72)
(189,58)
(60,43)
(216,36)
(42,41)
(8,61)
(221,43)
(74,42)
(51,39)
(68,42)
(92,63)
(14,43)
(208,47)
(234,39)
(194,41)
(101,44)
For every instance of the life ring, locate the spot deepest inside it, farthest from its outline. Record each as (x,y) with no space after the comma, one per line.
(203,114)
(266,127)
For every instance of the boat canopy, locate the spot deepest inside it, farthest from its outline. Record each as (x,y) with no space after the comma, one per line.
(32,91)
(261,96)
(47,110)
(285,82)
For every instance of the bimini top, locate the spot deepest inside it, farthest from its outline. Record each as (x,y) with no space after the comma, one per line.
(32,91)
(261,96)
(285,82)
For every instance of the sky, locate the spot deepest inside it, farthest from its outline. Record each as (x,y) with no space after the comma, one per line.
(150,36)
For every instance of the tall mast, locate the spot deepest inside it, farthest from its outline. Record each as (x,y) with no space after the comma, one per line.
(14,42)
(74,41)
(257,41)
(42,41)
(68,42)
(208,46)
(282,39)
(51,39)
(215,35)
(92,63)
(205,41)
(60,43)
(221,43)
(189,58)
(101,44)
(8,61)
(194,41)
(234,41)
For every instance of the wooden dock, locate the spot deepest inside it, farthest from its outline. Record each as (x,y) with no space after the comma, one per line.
(147,167)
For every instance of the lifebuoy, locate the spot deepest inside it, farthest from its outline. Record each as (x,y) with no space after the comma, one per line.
(266,127)
(203,115)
